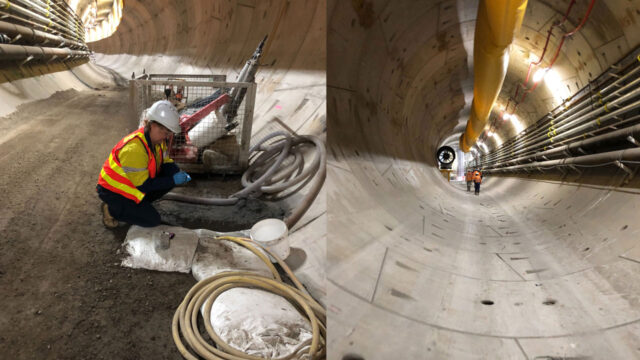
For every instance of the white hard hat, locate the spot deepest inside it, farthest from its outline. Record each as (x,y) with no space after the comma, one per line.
(164,113)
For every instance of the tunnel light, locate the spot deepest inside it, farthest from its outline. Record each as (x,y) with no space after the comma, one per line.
(95,32)
(533,58)
(506,116)
(517,124)
(539,75)
(74,5)
(497,139)
(490,134)
(554,84)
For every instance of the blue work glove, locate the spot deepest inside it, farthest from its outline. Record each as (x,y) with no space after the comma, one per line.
(181,177)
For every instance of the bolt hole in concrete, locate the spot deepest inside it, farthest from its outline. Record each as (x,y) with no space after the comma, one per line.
(487,302)
(352,357)
(549,302)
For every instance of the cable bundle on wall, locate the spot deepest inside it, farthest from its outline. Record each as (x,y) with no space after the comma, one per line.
(38,30)
(596,130)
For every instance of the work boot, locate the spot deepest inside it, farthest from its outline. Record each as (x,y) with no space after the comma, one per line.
(107,219)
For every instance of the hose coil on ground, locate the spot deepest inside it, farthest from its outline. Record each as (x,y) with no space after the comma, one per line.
(276,168)
(185,319)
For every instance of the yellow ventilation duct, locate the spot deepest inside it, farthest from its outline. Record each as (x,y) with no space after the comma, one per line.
(497,23)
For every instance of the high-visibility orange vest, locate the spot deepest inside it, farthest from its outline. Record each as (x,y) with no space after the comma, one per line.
(469,176)
(477,177)
(113,177)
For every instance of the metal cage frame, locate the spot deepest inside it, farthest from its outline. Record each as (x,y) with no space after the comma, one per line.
(140,95)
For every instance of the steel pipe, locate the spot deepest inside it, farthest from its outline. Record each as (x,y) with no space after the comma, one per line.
(18,52)
(573,120)
(572,148)
(47,13)
(588,100)
(633,120)
(542,140)
(593,159)
(36,36)
(6,5)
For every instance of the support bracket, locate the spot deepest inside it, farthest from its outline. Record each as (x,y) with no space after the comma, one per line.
(624,167)
(630,173)
(29,58)
(574,168)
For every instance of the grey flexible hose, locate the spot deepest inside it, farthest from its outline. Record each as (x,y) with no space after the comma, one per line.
(270,174)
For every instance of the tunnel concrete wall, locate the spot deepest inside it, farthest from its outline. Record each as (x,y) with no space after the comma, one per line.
(218,37)
(412,259)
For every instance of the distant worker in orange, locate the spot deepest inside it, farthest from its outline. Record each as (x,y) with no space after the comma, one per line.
(469,178)
(477,180)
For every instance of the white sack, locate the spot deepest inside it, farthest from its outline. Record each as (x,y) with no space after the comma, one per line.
(140,251)
(215,256)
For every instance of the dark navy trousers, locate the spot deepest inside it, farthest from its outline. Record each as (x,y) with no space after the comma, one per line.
(123,209)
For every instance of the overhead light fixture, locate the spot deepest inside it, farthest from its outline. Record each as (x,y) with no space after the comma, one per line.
(539,75)
(554,83)
(517,124)
(506,116)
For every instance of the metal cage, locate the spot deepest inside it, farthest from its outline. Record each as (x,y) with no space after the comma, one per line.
(215,133)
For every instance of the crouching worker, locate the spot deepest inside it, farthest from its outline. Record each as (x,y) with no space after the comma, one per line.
(139,170)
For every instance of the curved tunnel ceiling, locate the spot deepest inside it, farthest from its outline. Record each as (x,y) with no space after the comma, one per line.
(206,37)
(418,267)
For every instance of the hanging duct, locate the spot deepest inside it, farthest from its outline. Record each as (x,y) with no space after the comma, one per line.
(497,23)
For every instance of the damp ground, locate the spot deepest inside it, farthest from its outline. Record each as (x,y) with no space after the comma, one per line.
(64,295)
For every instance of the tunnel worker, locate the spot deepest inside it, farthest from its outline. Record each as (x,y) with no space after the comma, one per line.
(469,178)
(477,180)
(139,170)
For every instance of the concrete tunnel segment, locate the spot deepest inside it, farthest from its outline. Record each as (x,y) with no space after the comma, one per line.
(533,268)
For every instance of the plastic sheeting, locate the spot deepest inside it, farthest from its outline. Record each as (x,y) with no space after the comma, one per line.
(260,323)
(215,256)
(140,251)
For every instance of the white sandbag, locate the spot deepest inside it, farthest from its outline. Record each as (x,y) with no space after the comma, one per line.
(215,256)
(260,323)
(140,250)
(208,130)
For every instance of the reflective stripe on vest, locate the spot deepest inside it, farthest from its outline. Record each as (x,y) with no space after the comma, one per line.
(113,176)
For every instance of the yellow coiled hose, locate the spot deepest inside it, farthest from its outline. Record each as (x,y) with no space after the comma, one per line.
(185,319)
